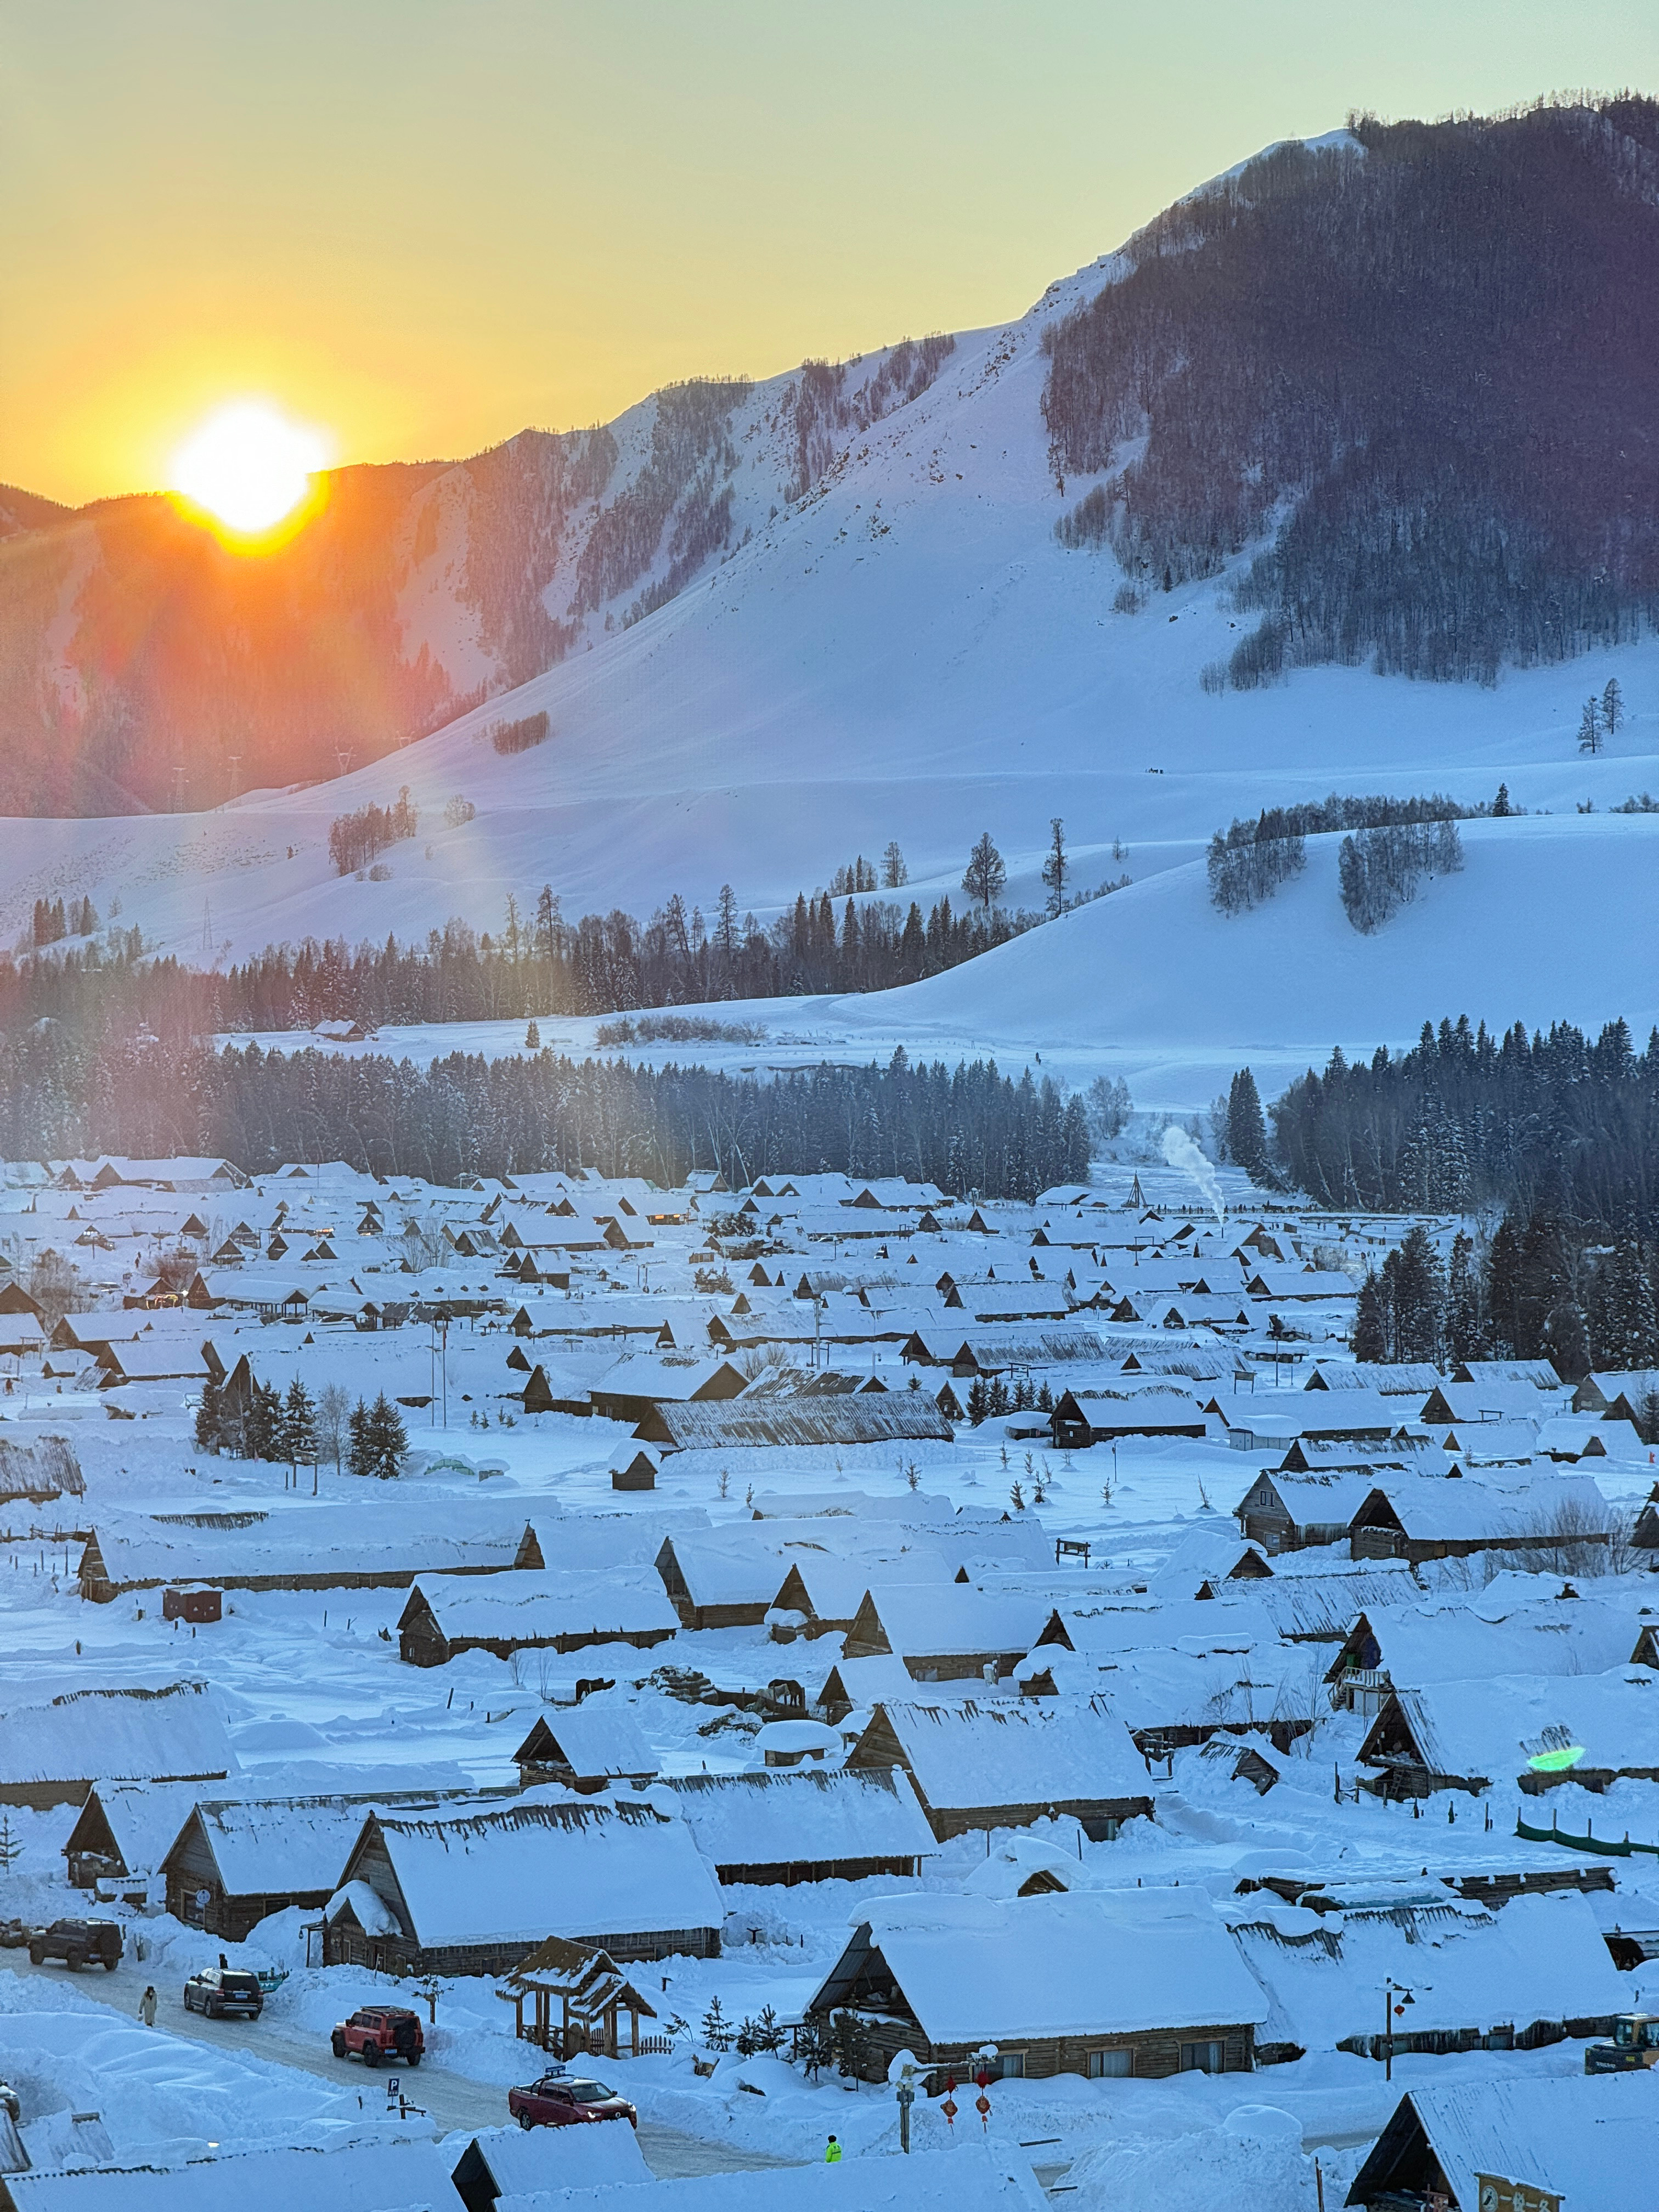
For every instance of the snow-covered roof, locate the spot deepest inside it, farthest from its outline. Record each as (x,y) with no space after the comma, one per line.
(346,2177)
(598,1736)
(274,1845)
(970,2177)
(1539,1959)
(537,1867)
(1589,2142)
(803,1814)
(1101,1962)
(924,1620)
(966,1755)
(538,1605)
(174,1734)
(1487,1727)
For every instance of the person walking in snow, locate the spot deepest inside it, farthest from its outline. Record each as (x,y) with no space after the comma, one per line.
(832,2152)
(147,2007)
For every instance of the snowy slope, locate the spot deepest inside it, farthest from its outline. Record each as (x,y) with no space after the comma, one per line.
(907,652)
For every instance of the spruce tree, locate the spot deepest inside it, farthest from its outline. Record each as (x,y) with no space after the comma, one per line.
(207,1418)
(387,1439)
(1371,1322)
(1246,1129)
(1463,1330)
(297,1431)
(264,1422)
(1613,707)
(357,1440)
(1502,1299)
(1565,1341)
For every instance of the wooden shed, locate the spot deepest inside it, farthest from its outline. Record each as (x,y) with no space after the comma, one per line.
(806,1825)
(544,1610)
(585,1747)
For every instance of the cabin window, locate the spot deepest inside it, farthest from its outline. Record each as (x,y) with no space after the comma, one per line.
(1010,2066)
(1111,2065)
(1202,2057)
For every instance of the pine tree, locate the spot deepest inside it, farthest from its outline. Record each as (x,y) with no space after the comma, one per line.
(1463,1330)
(1612,709)
(386,1439)
(264,1422)
(1545,1281)
(1565,1341)
(1054,867)
(1416,1286)
(1500,806)
(1247,1130)
(297,1431)
(1502,1299)
(893,873)
(209,1415)
(357,1446)
(1590,728)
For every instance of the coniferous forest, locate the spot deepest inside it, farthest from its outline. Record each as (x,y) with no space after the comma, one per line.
(973,1130)
(1555,1138)
(1407,362)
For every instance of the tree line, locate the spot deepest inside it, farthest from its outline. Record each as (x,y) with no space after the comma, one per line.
(1541,1288)
(1467,1119)
(64,1094)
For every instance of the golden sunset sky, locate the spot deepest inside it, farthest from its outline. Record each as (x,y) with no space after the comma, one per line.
(420,225)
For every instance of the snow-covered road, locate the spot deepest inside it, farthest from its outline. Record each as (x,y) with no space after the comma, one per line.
(451,2101)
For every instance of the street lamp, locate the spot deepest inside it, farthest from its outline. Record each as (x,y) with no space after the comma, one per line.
(1391,2012)
(902,2073)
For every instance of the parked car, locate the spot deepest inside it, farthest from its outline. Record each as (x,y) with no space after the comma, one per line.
(562,2100)
(378,2033)
(77,1943)
(216,1990)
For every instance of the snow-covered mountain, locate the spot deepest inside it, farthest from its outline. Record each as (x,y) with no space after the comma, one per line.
(804,618)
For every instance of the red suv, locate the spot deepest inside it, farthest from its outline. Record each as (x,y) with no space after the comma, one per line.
(560,2099)
(380,2031)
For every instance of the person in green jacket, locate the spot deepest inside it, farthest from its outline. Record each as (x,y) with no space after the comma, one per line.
(832,2152)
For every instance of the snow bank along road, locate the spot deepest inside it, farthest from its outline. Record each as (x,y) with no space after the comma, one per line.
(451,2100)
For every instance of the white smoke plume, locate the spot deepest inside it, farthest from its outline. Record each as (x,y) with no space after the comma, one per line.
(1182,1152)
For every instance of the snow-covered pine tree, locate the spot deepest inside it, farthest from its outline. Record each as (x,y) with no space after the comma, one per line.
(1613,707)
(1589,726)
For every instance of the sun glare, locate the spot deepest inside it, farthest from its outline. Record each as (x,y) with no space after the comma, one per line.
(248,467)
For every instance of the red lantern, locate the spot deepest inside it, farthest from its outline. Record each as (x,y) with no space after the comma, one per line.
(948,2109)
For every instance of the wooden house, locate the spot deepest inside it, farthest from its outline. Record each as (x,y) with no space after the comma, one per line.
(726,1580)
(472,1893)
(1454,1515)
(52,1753)
(587,1747)
(1083,1418)
(806,1825)
(235,1861)
(1138,1982)
(808,1418)
(1003,1766)
(1521,1728)
(948,1631)
(555,1610)
(321,1549)
(1285,1510)
(1531,2145)
(124,1830)
(637,1386)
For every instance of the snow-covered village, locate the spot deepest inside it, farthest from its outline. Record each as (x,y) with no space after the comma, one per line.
(829,1213)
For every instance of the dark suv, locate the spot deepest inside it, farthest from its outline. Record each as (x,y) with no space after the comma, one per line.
(380,2031)
(77,1943)
(216,1990)
(562,2100)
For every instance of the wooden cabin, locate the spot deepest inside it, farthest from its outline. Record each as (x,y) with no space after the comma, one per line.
(236,1860)
(472,1893)
(585,1747)
(806,1825)
(1140,1983)
(1003,1766)
(535,1610)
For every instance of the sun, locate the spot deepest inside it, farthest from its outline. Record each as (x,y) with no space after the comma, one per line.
(249,468)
